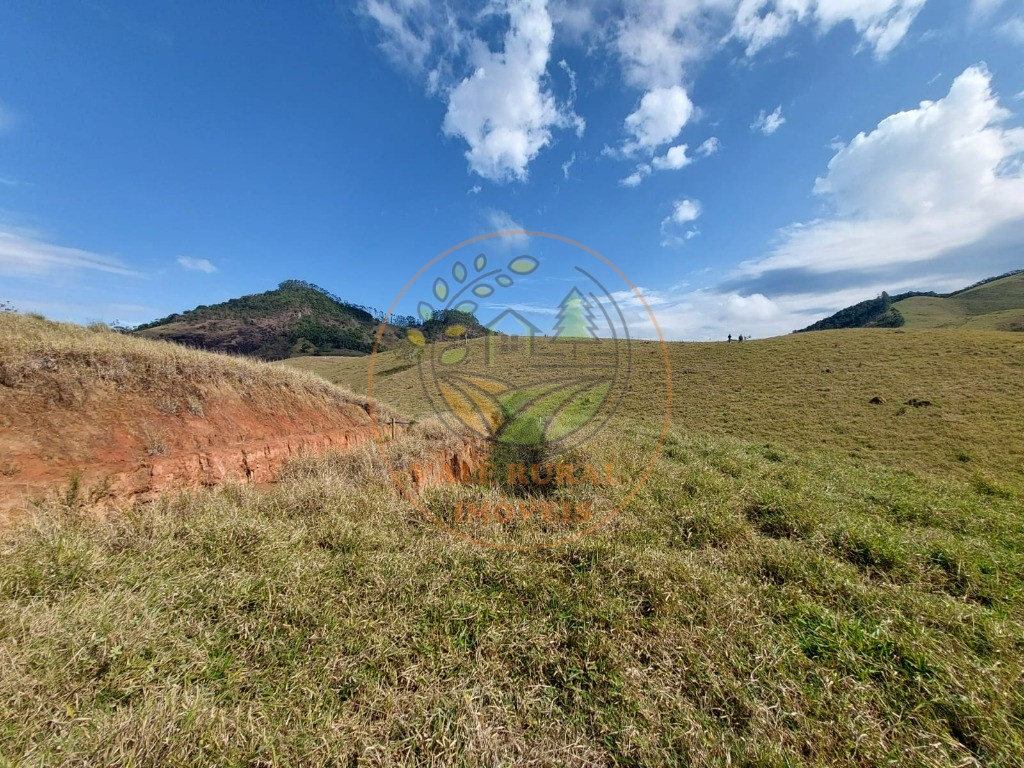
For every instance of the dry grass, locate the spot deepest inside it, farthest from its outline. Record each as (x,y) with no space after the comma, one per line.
(811,391)
(755,606)
(787,595)
(69,359)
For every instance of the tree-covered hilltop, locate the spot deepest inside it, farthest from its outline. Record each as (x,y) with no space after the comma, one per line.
(290,294)
(452,323)
(297,318)
(300,318)
(873,313)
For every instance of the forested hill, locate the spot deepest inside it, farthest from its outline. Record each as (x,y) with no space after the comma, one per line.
(297,318)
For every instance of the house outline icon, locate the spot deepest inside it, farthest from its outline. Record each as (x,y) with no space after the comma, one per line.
(498,342)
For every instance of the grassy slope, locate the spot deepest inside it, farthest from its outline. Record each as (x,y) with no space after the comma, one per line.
(83,357)
(997,305)
(68,366)
(828,585)
(931,312)
(812,391)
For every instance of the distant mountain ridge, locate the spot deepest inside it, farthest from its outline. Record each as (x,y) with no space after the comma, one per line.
(296,319)
(995,303)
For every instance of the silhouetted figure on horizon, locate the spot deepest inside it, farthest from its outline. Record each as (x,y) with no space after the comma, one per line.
(741,337)
(730,337)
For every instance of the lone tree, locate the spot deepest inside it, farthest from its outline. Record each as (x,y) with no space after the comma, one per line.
(575,318)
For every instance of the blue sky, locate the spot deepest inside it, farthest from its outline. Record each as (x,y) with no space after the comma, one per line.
(751,165)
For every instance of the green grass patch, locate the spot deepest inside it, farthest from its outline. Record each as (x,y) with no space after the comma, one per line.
(754,606)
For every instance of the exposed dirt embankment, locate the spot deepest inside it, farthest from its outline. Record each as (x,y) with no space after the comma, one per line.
(449,466)
(119,418)
(130,447)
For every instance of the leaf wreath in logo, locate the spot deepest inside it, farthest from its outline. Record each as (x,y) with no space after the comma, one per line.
(465,390)
(549,389)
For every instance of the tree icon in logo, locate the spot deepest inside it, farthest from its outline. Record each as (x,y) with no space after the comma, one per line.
(575,317)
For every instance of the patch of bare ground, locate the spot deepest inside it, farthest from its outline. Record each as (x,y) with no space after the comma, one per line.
(117,418)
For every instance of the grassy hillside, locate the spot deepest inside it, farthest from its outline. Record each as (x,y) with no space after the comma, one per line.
(995,304)
(931,312)
(295,318)
(805,579)
(83,359)
(809,391)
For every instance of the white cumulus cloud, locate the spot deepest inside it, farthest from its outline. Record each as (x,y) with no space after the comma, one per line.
(675,228)
(502,95)
(503,110)
(657,39)
(882,24)
(768,123)
(500,102)
(658,119)
(922,184)
(641,172)
(707,315)
(407,30)
(674,159)
(685,211)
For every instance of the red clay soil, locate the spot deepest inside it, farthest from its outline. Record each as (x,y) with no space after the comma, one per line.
(117,446)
